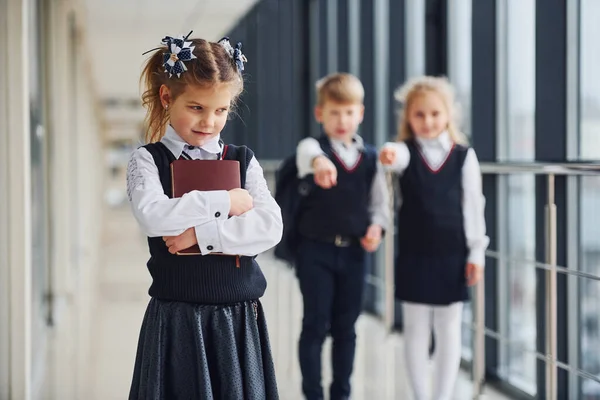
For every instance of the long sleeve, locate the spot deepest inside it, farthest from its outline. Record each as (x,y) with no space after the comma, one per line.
(251,233)
(157,214)
(379,202)
(473,210)
(307,150)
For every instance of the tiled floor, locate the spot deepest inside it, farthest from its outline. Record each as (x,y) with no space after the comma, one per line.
(122,297)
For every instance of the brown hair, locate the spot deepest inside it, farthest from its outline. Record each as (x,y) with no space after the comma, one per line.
(428,84)
(340,88)
(213,65)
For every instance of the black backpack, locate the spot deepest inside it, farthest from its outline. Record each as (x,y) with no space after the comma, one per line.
(290,191)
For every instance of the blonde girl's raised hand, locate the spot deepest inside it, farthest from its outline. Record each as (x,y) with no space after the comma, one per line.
(387,156)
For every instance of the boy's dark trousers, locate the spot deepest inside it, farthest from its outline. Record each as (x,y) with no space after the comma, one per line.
(331,280)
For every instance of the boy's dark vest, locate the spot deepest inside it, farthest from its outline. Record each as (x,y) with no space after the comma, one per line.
(430,220)
(210,279)
(344,208)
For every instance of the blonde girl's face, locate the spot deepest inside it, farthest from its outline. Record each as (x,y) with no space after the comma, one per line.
(199,113)
(427,115)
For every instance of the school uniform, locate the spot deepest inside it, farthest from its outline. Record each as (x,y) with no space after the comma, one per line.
(441,227)
(331,260)
(204,334)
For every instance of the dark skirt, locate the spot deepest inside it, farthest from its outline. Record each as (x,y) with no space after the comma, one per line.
(205,352)
(431,279)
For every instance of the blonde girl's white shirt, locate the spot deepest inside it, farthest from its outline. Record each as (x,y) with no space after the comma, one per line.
(435,152)
(207,212)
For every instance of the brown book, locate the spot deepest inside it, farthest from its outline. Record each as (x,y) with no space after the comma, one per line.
(203,175)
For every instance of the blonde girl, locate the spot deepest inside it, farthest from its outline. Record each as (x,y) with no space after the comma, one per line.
(441,229)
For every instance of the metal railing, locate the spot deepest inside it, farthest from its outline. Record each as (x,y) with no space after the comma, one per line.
(480,332)
(550,171)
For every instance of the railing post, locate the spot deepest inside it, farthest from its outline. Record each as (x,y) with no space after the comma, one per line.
(478,367)
(551,293)
(389,260)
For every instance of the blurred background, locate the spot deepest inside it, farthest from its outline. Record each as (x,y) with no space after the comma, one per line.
(73,281)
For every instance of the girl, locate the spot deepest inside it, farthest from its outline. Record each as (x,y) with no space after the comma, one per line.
(204,334)
(441,229)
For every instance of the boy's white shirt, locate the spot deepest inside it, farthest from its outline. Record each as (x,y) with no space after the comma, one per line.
(309,148)
(249,234)
(435,151)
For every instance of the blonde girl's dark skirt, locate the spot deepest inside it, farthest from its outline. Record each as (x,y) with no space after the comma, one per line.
(204,352)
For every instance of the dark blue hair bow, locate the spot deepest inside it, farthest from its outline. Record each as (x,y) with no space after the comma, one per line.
(178,51)
(236,54)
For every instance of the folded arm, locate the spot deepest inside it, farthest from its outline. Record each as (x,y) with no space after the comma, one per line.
(248,234)
(157,214)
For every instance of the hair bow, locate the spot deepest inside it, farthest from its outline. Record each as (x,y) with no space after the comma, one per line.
(235,53)
(178,51)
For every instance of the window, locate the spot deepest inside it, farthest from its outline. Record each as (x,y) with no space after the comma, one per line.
(589,290)
(39,198)
(589,89)
(459,74)
(589,193)
(516,142)
(459,57)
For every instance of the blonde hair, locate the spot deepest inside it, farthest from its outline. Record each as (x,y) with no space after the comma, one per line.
(340,88)
(213,65)
(424,84)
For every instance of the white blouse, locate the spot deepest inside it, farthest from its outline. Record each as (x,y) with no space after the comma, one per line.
(435,151)
(249,234)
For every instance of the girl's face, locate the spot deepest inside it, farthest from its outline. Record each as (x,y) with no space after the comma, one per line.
(199,113)
(427,115)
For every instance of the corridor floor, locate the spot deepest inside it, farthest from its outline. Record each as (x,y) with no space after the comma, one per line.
(123,283)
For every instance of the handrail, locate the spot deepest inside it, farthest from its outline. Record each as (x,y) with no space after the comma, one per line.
(540,168)
(507,167)
(541,265)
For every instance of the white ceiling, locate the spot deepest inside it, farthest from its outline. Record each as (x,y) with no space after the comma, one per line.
(119,31)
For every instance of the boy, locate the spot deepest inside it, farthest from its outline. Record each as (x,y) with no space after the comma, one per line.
(340,220)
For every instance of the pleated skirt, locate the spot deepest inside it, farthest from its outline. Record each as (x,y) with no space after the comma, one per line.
(205,352)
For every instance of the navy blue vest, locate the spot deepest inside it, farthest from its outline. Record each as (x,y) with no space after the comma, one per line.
(343,209)
(430,220)
(210,279)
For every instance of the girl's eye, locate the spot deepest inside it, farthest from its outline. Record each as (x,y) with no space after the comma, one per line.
(221,110)
(196,108)
(435,113)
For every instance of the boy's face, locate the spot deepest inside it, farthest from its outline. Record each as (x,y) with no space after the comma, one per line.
(340,120)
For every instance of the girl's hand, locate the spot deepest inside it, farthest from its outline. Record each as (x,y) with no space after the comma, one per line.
(325,172)
(473,273)
(183,241)
(387,156)
(372,238)
(240,202)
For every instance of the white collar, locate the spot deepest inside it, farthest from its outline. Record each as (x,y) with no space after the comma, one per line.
(356,141)
(176,144)
(443,140)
